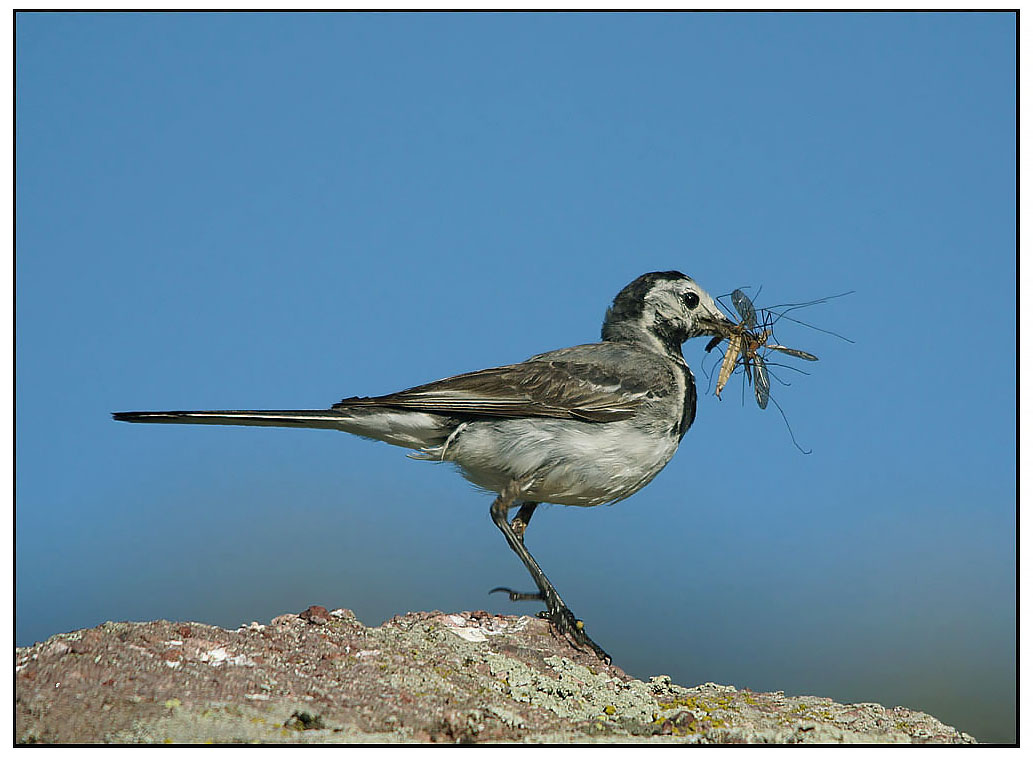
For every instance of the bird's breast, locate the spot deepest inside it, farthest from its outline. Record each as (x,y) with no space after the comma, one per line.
(563,462)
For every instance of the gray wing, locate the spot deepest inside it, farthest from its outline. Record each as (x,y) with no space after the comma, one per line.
(744,305)
(559,388)
(793,352)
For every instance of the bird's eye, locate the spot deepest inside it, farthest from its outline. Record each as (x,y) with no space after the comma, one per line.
(691,300)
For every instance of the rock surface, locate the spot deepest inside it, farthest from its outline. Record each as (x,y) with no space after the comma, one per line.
(321,676)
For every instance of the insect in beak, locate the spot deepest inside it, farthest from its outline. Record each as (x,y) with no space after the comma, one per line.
(718,325)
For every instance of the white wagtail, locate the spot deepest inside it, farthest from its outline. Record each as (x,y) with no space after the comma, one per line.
(584,425)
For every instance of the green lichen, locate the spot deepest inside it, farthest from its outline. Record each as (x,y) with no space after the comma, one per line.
(712,722)
(698,704)
(692,702)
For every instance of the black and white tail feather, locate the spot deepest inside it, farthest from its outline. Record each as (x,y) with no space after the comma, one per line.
(401,428)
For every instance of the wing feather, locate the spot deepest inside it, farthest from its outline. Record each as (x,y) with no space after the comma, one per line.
(542,389)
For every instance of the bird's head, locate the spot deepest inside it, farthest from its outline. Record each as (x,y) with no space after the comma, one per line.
(664,307)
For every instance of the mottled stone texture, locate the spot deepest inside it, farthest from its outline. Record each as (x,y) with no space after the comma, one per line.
(321,676)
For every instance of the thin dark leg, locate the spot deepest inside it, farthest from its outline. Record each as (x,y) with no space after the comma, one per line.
(556,610)
(522,519)
(519,524)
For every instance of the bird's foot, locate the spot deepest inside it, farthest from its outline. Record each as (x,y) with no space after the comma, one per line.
(573,629)
(562,619)
(514,595)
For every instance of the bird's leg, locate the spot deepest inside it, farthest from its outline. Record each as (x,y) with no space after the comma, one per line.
(522,519)
(556,611)
(519,526)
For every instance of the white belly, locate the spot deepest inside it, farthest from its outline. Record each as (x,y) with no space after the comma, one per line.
(564,462)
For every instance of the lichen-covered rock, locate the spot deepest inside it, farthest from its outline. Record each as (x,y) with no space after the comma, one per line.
(321,676)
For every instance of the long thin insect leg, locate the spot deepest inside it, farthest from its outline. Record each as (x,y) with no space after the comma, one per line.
(791,435)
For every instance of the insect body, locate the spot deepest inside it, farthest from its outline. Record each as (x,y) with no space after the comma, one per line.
(745,346)
(730,361)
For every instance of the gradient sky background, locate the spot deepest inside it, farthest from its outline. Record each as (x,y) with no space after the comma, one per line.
(274,211)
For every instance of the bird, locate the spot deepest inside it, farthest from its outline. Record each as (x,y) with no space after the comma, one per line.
(581,426)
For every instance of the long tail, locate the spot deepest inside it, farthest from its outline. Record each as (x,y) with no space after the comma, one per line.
(411,429)
(323,419)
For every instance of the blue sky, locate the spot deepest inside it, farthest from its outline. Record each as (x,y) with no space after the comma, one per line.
(274,211)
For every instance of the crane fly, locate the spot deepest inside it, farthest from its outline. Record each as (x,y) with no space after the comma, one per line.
(745,346)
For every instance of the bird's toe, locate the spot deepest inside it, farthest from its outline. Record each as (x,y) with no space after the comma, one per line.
(514,595)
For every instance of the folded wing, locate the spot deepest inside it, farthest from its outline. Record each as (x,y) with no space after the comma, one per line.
(546,389)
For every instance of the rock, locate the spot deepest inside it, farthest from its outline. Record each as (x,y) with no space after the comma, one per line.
(321,676)
(316,614)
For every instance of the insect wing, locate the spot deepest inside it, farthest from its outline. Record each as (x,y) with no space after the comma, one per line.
(745,307)
(728,364)
(761,383)
(793,352)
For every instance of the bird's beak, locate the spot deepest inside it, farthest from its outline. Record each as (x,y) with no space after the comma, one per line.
(716,324)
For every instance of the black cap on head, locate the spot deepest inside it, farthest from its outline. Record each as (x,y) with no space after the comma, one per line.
(630,300)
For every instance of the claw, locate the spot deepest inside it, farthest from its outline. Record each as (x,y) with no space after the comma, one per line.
(573,629)
(563,621)
(514,595)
